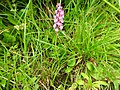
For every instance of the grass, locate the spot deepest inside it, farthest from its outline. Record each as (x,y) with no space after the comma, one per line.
(84,56)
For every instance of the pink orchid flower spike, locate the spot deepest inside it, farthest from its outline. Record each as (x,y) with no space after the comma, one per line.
(58,18)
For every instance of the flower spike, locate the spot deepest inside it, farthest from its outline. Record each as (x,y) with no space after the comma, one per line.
(58,18)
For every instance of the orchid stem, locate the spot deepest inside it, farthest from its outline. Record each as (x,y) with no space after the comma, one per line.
(56,44)
(60,1)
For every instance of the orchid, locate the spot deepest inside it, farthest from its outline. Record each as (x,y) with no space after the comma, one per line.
(58,18)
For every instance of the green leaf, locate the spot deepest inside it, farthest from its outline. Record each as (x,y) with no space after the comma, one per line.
(100,83)
(71,62)
(3,82)
(1,88)
(20,77)
(26,88)
(85,76)
(116,84)
(1,24)
(96,85)
(36,87)
(69,69)
(80,82)
(33,79)
(8,38)
(73,87)
(11,19)
(60,87)
(90,66)
(14,88)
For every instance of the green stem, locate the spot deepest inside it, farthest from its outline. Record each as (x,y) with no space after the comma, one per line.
(56,44)
(112,6)
(60,1)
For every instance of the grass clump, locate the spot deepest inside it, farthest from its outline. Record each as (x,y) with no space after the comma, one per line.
(84,56)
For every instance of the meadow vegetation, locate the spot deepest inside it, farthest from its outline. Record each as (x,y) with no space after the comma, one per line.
(84,56)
